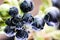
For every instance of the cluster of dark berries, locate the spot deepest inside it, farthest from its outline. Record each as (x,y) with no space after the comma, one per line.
(15,24)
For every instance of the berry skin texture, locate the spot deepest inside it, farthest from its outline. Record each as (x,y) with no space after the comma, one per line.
(13,11)
(13,21)
(52,16)
(19,26)
(21,34)
(26,6)
(16,19)
(9,22)
(28,18)
(38,24)
(8,29)
(10,32)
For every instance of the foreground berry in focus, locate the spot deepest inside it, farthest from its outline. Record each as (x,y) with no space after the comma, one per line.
(26,6)
(13,11)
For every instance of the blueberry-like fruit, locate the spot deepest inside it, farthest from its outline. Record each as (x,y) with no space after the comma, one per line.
(38,23)
(9,22)
(50,20)
(9,31)
(52,16)
(13,11)
(21,34)
(16,19)
(26,6)
(19,25)
(28,18)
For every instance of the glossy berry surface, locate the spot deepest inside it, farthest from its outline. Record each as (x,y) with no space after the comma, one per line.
(9,30)
(38,24)
(9,22)
(21,34)
(28,18)
(16,19)
(19,26)
(51,18)
(26,6)
(13,11)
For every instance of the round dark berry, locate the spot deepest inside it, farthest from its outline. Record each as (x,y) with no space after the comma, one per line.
(38,24)
(13,11)
(21,34)
(16,19)
(28,18)
(9,22)
(51,18)
(9,31)
(26,6)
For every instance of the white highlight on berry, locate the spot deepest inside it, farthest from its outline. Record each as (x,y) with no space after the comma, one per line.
(21,38)
(28,1)
(10,34)
(53,10)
